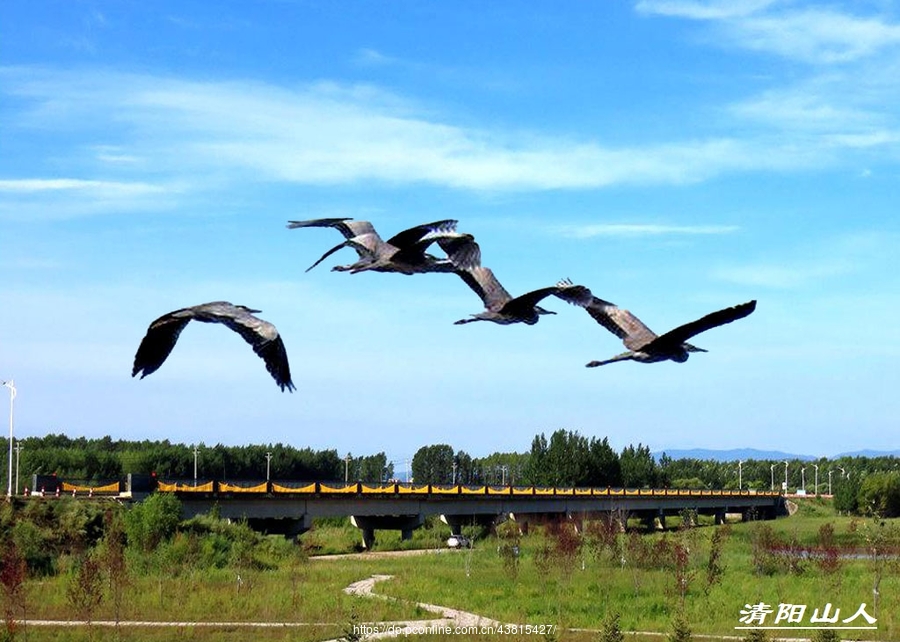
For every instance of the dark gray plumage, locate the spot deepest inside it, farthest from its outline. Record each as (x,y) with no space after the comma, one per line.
(502,308)
(644,345)
(403,253)
(163,334)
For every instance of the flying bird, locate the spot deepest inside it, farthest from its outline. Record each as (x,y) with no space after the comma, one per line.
(644,345)
(404,253)
(502,308)
(262,335)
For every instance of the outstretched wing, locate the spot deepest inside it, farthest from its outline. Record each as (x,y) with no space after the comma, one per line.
(486,286)
(564,289)
(365,245)
(621,323)
(266,342)
(157,344)
(682,333)
(408,238)
(461,249)
(575,294)
(346,226)
(261,335)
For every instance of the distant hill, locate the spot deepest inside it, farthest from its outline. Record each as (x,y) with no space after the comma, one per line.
(734,454)
(870,453)
(737,454)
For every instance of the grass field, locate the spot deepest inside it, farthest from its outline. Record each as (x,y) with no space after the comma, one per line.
(558,578)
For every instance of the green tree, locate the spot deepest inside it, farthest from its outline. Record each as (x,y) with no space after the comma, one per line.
(85,588)
(537,471)
(610,631)
(681,632)
(153,520)
(638,467)
(879,494)
(604,467)
(433,464)
(846,495)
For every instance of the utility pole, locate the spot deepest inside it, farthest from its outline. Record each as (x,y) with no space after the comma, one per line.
(12,395)
(18,451)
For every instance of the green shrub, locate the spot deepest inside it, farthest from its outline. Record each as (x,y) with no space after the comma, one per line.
(610,631)
(153,521)
(756,635)
(681,632)
(879,495)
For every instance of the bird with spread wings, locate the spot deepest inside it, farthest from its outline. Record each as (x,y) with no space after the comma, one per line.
(501,307)
(261,335)
(405,252)
(646,346)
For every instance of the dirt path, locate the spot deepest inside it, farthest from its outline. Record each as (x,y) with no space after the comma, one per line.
(451,620)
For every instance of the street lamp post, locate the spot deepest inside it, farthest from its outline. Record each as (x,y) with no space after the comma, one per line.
(740,474)
(785,476)
(196,453)
(829,481)
(772,475)
(816,489)
(18,452)
(12,395)
(268,462)
(803,479)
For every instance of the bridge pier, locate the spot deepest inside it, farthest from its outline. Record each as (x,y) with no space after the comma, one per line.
(287,526)
(456,522)
(406,524)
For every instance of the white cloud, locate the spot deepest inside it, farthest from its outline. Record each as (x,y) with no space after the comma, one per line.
(108,189)
(373,58)
(60,198)
(702,10)
(641,229)
(325,133)
(849,254)
(817,36)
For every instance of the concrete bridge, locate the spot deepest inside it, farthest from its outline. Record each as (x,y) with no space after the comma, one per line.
(289,508)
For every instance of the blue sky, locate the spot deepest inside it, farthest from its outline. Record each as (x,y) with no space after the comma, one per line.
(674,156)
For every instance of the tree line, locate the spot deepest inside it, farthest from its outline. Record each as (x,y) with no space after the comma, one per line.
(566,458)
(106,459)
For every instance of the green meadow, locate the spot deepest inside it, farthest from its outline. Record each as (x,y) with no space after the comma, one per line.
(566,580)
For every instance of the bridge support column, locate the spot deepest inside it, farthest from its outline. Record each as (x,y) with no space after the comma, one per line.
(720,517)
(290,527)
(456,522)
(406,524)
